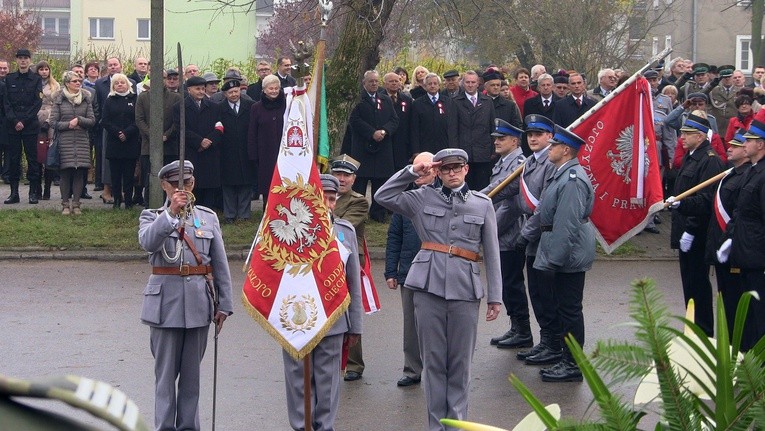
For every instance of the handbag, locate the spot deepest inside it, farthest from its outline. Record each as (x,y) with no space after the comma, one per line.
(42,150)
(53,161)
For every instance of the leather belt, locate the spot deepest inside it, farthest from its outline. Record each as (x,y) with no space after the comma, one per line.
(183,270)
(549,227)
(452,251)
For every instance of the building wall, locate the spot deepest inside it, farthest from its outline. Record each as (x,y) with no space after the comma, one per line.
(124,37)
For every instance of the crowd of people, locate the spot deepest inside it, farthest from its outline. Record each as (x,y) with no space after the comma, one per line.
(432,149)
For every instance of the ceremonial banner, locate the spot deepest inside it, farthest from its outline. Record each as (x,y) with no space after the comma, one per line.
(621,160)
(295,284)
(368,290)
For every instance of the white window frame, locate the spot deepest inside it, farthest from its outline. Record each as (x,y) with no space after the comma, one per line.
(57,26)
(138,29)
(740,40)
(98,28)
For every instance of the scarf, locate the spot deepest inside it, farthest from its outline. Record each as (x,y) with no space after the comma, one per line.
(122,94)
(75,99)
(270,104)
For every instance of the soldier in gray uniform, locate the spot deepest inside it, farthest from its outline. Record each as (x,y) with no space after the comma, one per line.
(327,355)
(454,223)
(507,140)
(536,173)
(178,304)
(567,245)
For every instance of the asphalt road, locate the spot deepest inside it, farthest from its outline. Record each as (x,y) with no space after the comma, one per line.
(81,317)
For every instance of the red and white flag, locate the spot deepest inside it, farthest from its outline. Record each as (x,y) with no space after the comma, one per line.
(368,290)
(295,284)
(621,159)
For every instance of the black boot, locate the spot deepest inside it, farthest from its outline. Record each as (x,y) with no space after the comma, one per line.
(117,202)
(521,338)
(565,371)
(502,337)
(46,189)
(14,197)
(34,192)
(548,353)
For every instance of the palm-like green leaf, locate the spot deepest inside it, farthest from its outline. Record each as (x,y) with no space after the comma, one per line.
(550,422)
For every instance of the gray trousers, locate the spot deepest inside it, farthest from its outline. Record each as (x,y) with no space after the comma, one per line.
(177,353)
(325,385)
(237,202)
(446,330)
(412,360)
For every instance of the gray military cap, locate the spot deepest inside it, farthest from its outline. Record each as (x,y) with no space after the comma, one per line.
(329,183)
(170,171)
(448,156)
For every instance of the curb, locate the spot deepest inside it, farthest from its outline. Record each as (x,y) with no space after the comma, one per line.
(375,253)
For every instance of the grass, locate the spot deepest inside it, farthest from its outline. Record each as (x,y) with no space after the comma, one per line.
(118,230)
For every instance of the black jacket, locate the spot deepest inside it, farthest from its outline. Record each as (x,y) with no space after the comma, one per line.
(474,127)
(119,116)
(433,127)
(566,111)
(535,105)
(287,81)
(703,164)
(200,124)
(748,224)
(236,168)
(402,150)
(23,101)
(255,91)
(507,110)
(368,116)
(403,244)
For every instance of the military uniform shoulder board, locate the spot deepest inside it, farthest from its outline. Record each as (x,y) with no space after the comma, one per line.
(711,153)
(345,223)
(571,174)
(357,195)
(480,195)
(205,209)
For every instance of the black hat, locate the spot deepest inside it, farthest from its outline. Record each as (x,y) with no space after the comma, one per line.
(492,74)
(560,79)
(171,72)
(194,81)
(228,85)
(650,74)
(700,68)
(726,70)
(451,73)
(697,124)
(712,68)
(345,163)
(566,137)
(503,128)
(23,52)
(539,123)
(756,130)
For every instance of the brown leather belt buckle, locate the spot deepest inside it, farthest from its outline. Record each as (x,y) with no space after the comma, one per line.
(184,270)
(449,252)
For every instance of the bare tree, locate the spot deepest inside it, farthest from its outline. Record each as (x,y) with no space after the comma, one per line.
(21,29)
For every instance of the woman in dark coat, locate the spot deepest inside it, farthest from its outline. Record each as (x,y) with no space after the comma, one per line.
(122,138)
(266,124)
(71,116)
(237,174)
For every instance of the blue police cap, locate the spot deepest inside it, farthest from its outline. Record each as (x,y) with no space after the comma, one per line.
(503,128)
(540,123)
(756,130)
(694,123)
(566,137)
(738,139)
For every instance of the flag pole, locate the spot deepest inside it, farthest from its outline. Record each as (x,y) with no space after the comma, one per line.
(506,181)
(700,186)
(307,391)
(592,110)
(325,7)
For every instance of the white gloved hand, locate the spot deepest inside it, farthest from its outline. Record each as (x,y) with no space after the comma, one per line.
(724,251)
(686,241)
(673,202)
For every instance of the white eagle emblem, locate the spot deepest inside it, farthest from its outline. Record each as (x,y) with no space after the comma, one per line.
(621,161)
(295,137)
(297,227)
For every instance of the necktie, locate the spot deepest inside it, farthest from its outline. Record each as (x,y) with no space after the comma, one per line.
(433,98)
(578,103)
(236,108)
(473,100)
(547,103)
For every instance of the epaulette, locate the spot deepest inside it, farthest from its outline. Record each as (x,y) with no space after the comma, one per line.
(480,195)
(571,174)
(711,153)
(205,209)
(345,223)
(357,195)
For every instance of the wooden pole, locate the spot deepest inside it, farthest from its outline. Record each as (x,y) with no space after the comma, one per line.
(700,186)
(156,103)
(307,391)
(507,180)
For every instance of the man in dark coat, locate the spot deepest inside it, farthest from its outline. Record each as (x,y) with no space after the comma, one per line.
(475,123)
(236,169)
(402,103)
(255,90)
(571,107)
(283,72)
(433,124)
(203,137)
(372,123)
(23,101)
(689,232)
(544,102)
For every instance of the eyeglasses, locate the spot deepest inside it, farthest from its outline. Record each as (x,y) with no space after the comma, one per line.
(450,168)
(264,70)
(75,80)
(698,102)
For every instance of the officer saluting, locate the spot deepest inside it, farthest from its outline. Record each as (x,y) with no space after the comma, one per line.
(453,223)
(178,303)
(507,139)
(567,245)
(536,172)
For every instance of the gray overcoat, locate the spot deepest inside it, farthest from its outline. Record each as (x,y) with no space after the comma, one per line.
(539,169)
(74,144)
(506,207)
